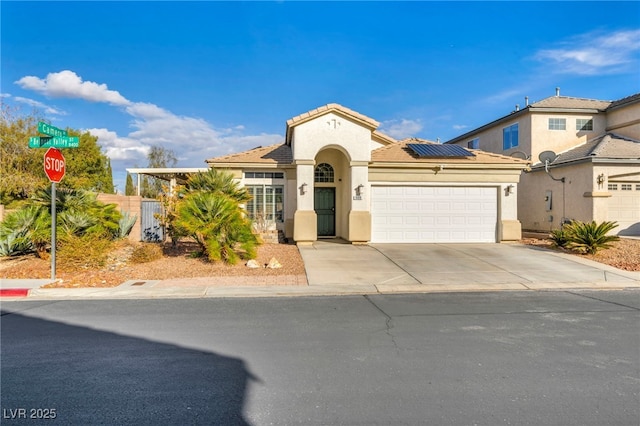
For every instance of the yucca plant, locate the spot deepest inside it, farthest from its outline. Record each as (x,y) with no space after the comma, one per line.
(589,237)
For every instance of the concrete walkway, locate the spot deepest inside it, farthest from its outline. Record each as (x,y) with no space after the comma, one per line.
(335,268)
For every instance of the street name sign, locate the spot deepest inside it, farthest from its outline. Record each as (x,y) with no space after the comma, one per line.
(54,165)
(50,130)
(54,142)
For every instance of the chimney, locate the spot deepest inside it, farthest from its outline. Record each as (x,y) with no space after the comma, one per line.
(557,91)
(517,107)
(526,101)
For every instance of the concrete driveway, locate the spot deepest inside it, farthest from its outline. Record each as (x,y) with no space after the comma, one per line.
(393,267)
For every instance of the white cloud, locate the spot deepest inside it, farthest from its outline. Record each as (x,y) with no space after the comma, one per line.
(192,139)
(459,126)
(594,53)
(402,128)
(121,148)
(67,84)
(46,108)
(5,95)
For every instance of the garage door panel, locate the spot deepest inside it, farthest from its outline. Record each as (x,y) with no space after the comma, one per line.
(433,214)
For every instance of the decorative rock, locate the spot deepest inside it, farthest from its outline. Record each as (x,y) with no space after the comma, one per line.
(252,264)
(274,264)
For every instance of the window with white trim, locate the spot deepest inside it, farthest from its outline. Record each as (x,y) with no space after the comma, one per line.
(264,175)
(267,202)
(612,187)
(474,143)
(557,124)
(323,173)
(626,187)
(584,124)
(510,136)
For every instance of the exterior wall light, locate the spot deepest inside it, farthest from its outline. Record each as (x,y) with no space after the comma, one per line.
(303,189)
(510,189)
(359,190)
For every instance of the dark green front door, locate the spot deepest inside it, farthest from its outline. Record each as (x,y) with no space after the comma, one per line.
(325,207)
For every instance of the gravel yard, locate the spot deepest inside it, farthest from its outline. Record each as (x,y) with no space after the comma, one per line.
(178,262)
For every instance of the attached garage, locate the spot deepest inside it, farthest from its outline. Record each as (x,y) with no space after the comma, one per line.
(624,207)
(434,214)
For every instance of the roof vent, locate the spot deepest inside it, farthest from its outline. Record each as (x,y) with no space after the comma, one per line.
(526,101)
(557,91)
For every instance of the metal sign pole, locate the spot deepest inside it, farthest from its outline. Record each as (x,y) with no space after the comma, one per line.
(53,231)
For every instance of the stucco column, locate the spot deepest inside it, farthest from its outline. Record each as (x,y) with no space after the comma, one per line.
(305,224)
(510,228)
(359,215)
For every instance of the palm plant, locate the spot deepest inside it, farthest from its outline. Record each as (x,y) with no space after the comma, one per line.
(78,212)
(217,182)
(560,237)
(589,237)
(217,224)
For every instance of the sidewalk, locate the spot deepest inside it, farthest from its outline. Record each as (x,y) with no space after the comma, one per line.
(344,269)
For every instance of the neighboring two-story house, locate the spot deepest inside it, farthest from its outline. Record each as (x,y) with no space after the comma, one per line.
(585,155)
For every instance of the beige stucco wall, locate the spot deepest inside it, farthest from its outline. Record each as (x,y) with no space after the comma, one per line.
(625,121)
(346,146)
(586,200)
(561,140)
(126,203)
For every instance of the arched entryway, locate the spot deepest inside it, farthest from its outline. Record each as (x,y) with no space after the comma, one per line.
(331,176)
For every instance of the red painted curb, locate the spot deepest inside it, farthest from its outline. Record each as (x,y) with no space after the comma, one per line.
(14,292)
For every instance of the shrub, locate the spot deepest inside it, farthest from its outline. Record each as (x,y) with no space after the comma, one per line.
(83,252)
(146,252)
(560,237)
(590,237)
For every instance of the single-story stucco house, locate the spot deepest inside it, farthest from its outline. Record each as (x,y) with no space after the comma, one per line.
(336,175)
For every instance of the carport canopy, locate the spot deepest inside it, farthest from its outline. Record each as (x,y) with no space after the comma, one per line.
(172,175)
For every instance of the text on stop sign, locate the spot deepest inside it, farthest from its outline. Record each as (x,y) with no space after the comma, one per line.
(54,164)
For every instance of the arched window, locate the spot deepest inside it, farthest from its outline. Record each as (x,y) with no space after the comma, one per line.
(324,173)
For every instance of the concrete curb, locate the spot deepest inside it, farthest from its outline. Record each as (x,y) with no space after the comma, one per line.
(304,291)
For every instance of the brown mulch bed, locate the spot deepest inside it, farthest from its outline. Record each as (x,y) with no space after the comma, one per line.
(178,262)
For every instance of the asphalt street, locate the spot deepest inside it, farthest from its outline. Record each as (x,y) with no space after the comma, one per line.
(501,358)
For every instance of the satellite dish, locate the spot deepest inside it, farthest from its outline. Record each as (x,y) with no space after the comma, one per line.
(547,156)
(518,154)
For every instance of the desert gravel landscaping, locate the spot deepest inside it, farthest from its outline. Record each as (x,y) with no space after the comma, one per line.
(178,262)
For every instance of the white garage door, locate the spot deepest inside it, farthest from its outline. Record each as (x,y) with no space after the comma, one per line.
(624,207)
(430,214)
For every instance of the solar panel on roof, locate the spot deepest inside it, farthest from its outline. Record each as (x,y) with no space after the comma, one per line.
(436,150)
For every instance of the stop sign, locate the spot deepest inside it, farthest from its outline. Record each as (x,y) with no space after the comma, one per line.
(54,165)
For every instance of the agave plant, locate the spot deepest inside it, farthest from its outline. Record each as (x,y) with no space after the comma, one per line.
(589,237)
(126,223)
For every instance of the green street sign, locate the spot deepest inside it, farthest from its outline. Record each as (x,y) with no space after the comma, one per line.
(50,130)
(54,142)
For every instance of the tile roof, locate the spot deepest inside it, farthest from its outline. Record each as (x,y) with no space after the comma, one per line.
(610,146)
(400,153)
(274,154)
(325,109)
(566,102)
(624,101)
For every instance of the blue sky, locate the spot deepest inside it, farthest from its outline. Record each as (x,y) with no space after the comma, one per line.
(209,78)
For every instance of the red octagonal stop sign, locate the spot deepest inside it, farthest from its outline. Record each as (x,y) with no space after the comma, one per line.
(54,165)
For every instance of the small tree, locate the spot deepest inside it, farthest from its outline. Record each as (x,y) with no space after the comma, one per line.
(129,189)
